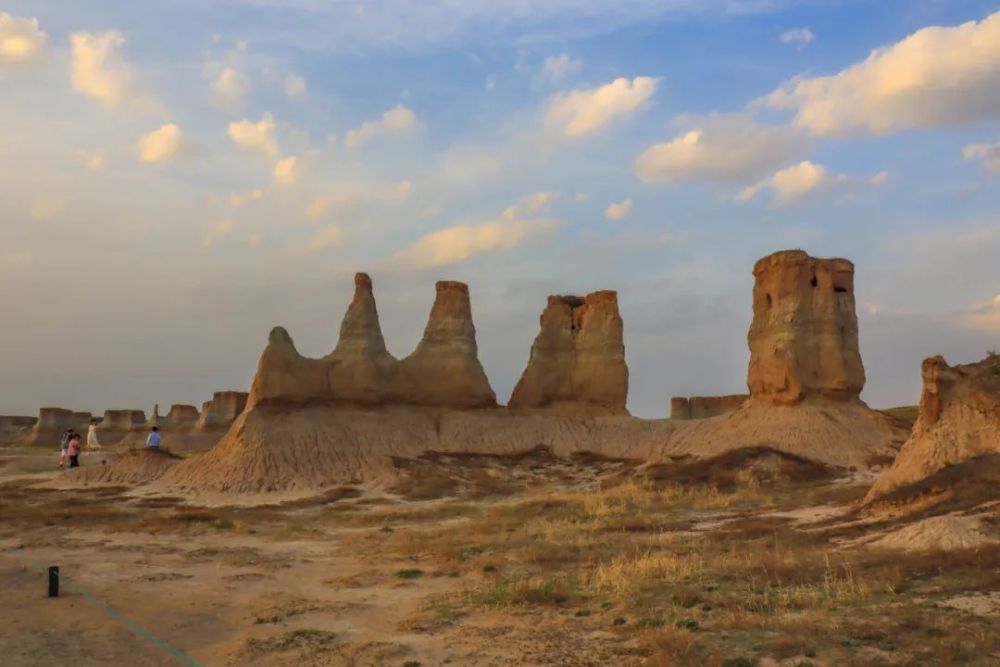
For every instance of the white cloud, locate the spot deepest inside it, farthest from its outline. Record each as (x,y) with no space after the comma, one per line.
(581,112)
(98,69)
(236,199)
(461,242)
(398,119)
(532,204)
(618,211)
(92,161)
(799,36)
(161,144)
(219,231)
(295,87)
(556,68)
(229,88)
(984,317)
(491,83)
(791,184)
(325,238)
(936,76)
(48,208)
(730,148)
(22,42)
(257,136)
(286,171)
(401,190)
(581,197)
(989,154)
(879,179)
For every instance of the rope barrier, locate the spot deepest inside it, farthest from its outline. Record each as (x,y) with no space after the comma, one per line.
(137,629)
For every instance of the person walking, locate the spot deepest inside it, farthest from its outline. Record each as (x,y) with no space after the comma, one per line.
(64,446)
(153,439)
(73,448)
(92,443)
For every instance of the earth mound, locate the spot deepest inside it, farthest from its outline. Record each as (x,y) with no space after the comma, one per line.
(577,362)
(133,467)
(959,420)
(275,448)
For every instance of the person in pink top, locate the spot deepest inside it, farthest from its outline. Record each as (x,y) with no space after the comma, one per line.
(74,450)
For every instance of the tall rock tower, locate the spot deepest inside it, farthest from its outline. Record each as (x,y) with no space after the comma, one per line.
(444,370)
(577,361)
(360,366)
(804,335)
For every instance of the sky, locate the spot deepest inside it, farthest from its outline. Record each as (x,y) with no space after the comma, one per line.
(177,177)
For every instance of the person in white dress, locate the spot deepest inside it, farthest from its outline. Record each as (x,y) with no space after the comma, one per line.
(92,442)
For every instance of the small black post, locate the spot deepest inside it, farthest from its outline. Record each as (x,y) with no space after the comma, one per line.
(53,581)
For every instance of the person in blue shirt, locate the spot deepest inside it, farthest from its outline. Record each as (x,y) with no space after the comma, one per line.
(153,439)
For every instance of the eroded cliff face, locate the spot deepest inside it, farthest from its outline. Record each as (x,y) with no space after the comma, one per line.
(577,361)
(361,370)
(959,420)
(444,370)
(703,407)
(285,376)
(122,420)
(224,407)
(181,416)
(804,335)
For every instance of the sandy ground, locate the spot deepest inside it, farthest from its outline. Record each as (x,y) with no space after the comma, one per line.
(351,581)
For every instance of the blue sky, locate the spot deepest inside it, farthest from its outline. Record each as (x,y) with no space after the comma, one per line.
(178,177)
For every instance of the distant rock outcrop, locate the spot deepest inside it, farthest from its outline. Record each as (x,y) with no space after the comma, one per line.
(122,421)
(959,420)
(444,371)
(51,424)
(577,361)
(361,370)
(703,407)
(180,417)
(11,427)
(804,335)
(224,407)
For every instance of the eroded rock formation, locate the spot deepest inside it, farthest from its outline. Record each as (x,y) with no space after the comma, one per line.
(577,361)
(959,420)
(122,420)
(444,370)
(804,335)
(703,407)
(360,368)
(13,426)
(224,407)
(180,416)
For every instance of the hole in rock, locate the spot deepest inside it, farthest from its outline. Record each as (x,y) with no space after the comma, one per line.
(814,282)
(840,290)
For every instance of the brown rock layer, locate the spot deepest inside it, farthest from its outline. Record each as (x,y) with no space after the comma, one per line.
(360,368)
(577,361)
(703,407)
(959,420)
(444,370)
(11,427)
(804,335)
